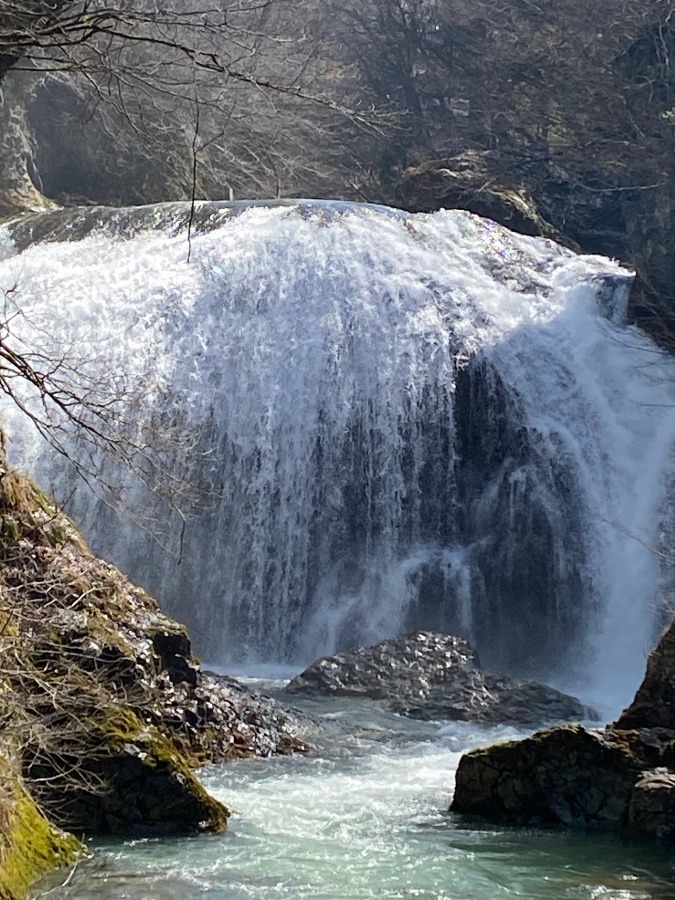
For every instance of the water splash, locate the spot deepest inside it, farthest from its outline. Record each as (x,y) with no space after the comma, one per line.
(394,420)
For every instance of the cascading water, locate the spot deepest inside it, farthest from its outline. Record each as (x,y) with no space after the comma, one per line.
(385,421)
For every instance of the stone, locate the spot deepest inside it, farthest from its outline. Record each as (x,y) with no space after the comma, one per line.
(651,810)
(654,703)
(406,666)
(467,181)
(426,675)
(565,776)
(620,779)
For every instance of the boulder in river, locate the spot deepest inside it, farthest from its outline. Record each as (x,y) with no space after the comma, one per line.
(621,778)
(425,675)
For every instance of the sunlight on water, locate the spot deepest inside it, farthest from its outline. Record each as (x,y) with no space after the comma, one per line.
(355,480)
(367,818)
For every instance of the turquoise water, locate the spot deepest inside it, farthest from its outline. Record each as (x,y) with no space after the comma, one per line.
(366,817)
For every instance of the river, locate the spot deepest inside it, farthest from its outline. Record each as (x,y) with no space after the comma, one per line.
(366,816)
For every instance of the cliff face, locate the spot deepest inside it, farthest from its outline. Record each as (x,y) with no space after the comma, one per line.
(558,118)
(103,709)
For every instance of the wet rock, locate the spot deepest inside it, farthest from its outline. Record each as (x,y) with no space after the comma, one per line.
(565,776)
(425,675)
(139,784)
(651,810)
(620,779)
(654,703)
(408,665)
(495,699)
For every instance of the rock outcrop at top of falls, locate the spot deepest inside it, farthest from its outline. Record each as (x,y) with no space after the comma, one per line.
(425,675)
(103,709)
(621,778)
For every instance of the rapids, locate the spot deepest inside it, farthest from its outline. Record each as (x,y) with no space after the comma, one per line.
(360,421)
(366,817)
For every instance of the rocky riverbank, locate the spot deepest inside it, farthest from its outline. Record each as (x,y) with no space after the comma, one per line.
(425,675)
(104,712)
(620,778)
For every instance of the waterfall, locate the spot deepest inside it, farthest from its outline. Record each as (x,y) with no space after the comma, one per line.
(373,421)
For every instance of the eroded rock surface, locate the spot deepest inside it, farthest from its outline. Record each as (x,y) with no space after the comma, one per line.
(569,775)
(426,675)
(621,778)
(654,703)
(651,810)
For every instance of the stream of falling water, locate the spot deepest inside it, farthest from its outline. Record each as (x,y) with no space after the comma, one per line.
(390,421)
(396,421)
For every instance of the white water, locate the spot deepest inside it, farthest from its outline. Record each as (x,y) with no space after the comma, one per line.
(366,817)
(393,420)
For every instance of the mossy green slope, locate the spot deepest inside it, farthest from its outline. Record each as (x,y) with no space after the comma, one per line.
(29,844)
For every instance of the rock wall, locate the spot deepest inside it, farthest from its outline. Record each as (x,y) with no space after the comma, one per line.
(618,212)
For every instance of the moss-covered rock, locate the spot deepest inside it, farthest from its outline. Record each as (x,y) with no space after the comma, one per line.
(30,845)
(147,785)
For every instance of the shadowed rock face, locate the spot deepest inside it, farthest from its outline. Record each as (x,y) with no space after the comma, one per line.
(654,702)
(435,676)
(619,779)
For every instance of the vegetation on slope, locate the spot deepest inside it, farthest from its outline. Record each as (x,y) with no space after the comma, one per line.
(103,710)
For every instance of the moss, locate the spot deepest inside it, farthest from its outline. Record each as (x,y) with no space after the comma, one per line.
(55,535)
(18,491)
(121,729)
(28,512)
(30,845)
(10,529)
(118,727)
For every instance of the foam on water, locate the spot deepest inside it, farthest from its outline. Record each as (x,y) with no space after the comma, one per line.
(391,420)
(368,819)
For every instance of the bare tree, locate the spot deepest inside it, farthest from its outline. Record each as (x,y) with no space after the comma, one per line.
(276,116)
(573,101)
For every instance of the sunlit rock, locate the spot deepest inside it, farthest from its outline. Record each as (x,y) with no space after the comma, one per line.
(435,676)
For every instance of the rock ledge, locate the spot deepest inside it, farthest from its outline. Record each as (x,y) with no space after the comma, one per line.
(621,778)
